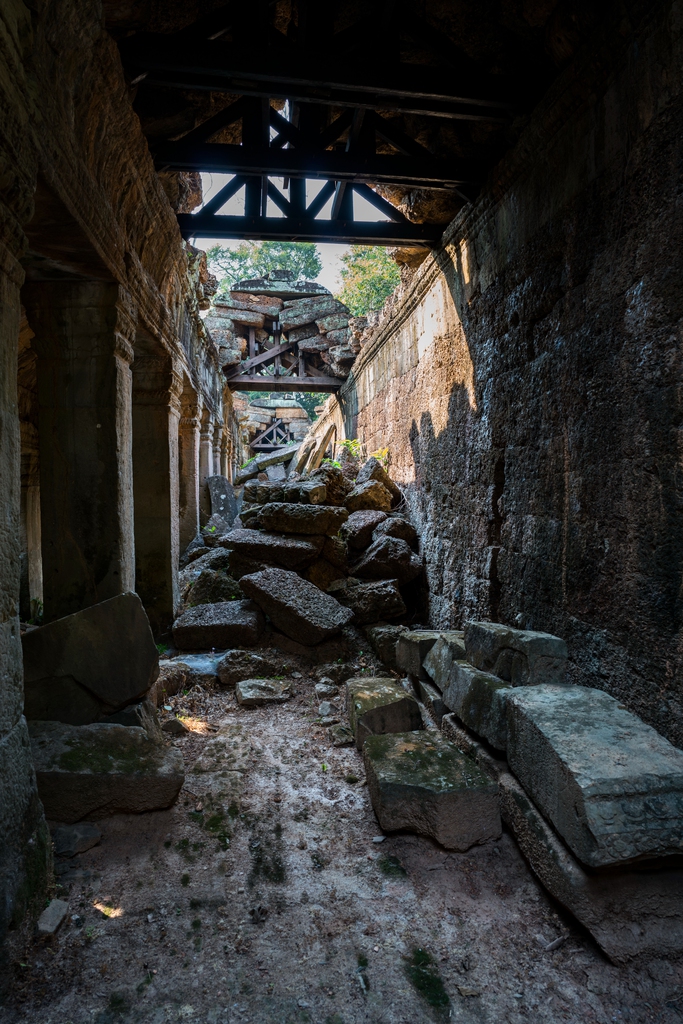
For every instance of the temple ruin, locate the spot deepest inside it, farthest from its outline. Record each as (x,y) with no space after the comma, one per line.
(371,712)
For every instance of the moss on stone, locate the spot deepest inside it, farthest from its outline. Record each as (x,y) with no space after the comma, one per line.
(425,760)
(102,756)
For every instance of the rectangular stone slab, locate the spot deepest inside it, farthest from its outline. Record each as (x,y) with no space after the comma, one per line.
(432,700)
(218,626)
(379,705)
(478,699)
(630,914)
(421,782)
(291,552)
(520,657)
(289,517)
(88,771)
(296,606)
(609,783)
(439,659)
(412,648)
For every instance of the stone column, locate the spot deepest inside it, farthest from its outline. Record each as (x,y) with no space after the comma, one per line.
(205,466)
(25,850)
(83,333)
(225,465)
(157,386)
(217,442)
(190,426)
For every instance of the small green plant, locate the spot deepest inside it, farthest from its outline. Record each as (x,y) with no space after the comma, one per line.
(331,462)
(117,1003)
(353,446)
(36,609)
(162,648)
(382,455)
(362,961)
(185,879)
(351,779)
(392,867)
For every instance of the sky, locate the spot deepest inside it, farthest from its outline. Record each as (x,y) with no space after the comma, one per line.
(329,253)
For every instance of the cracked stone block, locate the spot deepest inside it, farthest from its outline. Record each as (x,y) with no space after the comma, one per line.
(370,602)
(357,531)
(520,657)
(255,693)
(372,469)
(380,705)
(609,783)
(219,626)
(295,606)
(88,771)
(421,782)
(412,649)
(388,558)
(631,914)
(237,665)
(142,714)
(369,495)
(432,700)
(478,699)
(384,641)
(291,552)
(439,659)
(69,840)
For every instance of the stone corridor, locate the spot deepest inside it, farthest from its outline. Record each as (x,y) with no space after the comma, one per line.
(366,708)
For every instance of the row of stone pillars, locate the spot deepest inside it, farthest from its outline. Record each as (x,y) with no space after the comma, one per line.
(124,447)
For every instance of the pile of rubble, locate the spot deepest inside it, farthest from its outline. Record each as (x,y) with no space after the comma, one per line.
(279,309)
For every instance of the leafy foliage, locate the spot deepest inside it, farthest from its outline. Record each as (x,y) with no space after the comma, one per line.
(309,400)
(369,276)
(256,259)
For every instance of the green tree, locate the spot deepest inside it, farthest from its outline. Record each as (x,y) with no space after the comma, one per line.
(369,276)
(256,259)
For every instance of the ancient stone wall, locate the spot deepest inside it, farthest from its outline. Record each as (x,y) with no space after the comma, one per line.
(528,383)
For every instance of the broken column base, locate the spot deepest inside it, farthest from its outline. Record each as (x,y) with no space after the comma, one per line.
(636,912)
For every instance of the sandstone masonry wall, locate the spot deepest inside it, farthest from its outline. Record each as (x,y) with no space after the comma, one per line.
(528,383)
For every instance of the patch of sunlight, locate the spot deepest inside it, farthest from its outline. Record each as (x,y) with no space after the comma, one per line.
(198,725)
(108,911)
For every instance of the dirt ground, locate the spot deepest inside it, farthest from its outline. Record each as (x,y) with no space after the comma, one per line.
(263,897)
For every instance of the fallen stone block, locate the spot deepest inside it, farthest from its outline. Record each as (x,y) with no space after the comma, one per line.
(357,531)
(241,566)
(397,526)
(285,517)
(369,495)
(174,727)
(237,665)
(89,664)
(200,669)
(142,714)
(388,559)
(218,626)
(369,602)
(255,693)
(631,914)
(326,691)
(438,661)
(211,587)
(173,677)
(298,312)
(291,552)
(412,649)
(379,705)
(432,700)
(334,552)
(52,917)
(341,735)
(69,840)
(520,657)
(384,641)
(609,783)
(479,701)
(214,528)
(373,470)
(295,606)
(222,498)
(89,771)
(421,782)
(337,487)
(261,463)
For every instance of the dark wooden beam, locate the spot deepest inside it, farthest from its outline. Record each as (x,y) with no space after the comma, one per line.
(221,67)
(247,383)
(263,357)
(304,229)
(407,171)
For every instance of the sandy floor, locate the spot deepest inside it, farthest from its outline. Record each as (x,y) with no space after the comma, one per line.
(262,897)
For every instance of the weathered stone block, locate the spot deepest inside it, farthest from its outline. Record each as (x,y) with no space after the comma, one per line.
(369,495)
(89,771)
(335,552)
(520,657)
(478,699)
(412,649)
(222,497)
(384,641)
(285,517)
(370,602)
(236,665)
(609,783)
(378,705)
(296,606)
(52,917)
(254,693)
(69,840)
(432,700)
(358,529)
(90,663)
(438,661)
(298,312)
(396,526)
(292,552)
(323,574)
(630,914)
(372,469)
(422,782)
(142,714)
(211,587)
(218,626)
(388,559)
